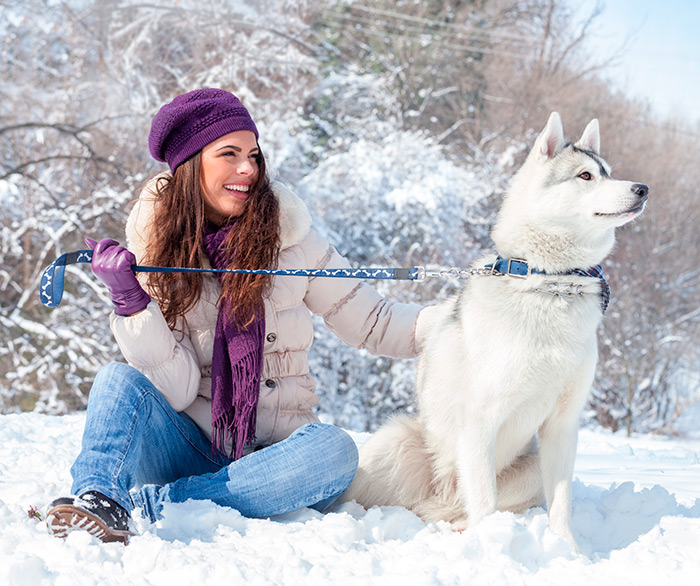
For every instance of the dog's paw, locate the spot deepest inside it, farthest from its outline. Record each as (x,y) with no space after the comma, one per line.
(564,531)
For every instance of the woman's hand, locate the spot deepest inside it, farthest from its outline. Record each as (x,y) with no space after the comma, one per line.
(112,263)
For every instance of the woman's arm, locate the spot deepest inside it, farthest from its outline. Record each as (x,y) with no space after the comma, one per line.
(356,312)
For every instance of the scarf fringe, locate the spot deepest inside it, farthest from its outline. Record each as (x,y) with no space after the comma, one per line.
(236,423)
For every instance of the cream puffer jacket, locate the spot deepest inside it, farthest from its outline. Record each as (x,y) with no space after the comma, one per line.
(178,362)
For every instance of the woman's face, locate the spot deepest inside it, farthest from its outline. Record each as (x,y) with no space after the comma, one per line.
(229,171)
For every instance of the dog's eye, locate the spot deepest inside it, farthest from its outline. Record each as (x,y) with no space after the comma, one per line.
(586,176)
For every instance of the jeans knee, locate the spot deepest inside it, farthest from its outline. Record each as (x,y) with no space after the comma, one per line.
(119,379)
(114,370)
(342,449)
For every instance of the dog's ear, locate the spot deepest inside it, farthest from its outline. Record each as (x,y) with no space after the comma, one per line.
(551,140)
(590,139)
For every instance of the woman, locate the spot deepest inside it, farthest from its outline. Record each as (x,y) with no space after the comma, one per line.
(214,401)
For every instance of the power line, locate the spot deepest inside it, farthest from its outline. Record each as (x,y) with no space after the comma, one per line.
(435,23)
(447,45)
(412,31)
(482,36)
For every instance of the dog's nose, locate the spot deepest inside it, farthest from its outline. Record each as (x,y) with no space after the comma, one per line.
(640,190)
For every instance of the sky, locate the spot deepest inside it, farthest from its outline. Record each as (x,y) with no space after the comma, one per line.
(662,61)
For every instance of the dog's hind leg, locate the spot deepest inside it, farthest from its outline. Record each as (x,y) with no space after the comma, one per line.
(444,503)
(519,486)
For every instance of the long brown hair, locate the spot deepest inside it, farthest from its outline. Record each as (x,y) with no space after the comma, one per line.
(176,240)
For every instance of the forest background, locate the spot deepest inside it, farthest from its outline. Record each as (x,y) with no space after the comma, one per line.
(400,124)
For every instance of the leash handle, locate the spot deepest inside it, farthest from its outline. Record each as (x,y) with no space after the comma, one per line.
(51,288)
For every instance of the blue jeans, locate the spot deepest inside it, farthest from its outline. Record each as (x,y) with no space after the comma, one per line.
(140,452)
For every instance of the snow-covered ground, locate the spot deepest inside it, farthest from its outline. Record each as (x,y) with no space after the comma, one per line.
(636,514)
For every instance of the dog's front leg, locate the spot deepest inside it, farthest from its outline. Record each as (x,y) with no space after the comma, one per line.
(558,437)
(476,472)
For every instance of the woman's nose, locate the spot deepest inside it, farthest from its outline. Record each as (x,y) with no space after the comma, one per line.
(245,168)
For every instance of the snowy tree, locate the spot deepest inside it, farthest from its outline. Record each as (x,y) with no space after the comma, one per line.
(77,101)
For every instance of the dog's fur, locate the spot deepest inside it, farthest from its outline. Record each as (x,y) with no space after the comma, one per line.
(506,370)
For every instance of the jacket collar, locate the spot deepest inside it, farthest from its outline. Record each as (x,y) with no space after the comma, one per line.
(295,220)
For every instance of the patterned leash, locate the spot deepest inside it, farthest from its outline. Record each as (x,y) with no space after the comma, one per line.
(51,288)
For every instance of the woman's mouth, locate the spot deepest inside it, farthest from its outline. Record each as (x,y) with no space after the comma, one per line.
(239,190)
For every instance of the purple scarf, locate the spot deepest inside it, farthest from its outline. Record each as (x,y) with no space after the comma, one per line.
(236,364)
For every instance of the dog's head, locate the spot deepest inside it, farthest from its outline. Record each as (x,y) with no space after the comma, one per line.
(563,206)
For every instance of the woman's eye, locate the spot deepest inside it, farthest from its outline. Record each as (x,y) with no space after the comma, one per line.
(586,176)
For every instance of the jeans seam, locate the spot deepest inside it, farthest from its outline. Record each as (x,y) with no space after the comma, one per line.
(122,457)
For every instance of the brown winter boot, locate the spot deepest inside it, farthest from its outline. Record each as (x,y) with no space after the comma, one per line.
(92,512)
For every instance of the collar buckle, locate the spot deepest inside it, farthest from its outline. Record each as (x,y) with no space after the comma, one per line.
(511,267)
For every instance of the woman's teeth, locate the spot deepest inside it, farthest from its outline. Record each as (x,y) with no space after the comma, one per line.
(243,188)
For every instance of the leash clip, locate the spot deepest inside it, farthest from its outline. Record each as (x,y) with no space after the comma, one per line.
(422,273)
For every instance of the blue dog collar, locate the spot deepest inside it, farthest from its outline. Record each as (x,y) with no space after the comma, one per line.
(517,267)
(514,267)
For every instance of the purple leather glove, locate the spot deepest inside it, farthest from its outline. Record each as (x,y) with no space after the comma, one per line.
(111,264)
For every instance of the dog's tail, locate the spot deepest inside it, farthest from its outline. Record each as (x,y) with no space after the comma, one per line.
(395,467)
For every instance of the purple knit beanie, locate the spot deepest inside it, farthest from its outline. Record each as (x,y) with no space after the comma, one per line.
(191,121)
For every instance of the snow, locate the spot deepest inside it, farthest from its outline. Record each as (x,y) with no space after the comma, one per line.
(636,514)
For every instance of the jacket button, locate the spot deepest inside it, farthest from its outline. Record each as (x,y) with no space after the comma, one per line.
(271,337)
(270,384)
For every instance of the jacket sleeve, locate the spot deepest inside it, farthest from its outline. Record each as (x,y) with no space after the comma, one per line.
(167,358)
(356,312)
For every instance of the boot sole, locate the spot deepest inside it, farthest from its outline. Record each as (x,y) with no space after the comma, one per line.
(64,519)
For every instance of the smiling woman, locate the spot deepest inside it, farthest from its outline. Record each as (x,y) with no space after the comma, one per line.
(229,169)
(215,399)
(209,140)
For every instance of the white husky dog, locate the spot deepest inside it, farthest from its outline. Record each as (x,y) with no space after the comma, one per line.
(506,369)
